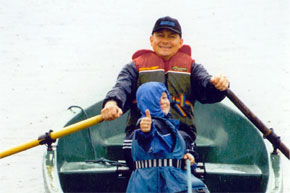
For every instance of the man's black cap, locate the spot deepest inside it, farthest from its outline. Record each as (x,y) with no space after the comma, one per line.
(167,23)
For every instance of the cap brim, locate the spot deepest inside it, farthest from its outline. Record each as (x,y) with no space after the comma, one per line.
(167,27)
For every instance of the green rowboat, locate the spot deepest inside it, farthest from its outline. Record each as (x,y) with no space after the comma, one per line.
(234,155)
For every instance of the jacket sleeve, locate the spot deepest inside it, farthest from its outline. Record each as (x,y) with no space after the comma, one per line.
(188,134)
(124,90)
(144,139)
(203,89)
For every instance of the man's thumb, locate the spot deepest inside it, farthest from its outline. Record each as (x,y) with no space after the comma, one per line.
(147,112)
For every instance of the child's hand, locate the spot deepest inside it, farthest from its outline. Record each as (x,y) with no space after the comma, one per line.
(190,157)
(145,124)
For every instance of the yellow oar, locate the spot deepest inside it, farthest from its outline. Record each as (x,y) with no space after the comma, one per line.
(53,135)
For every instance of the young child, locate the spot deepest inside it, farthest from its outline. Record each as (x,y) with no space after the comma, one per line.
(158,149)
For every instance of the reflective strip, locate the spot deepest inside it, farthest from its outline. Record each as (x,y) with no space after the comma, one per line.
(150,163)
(154,163)
(179,72)
(126,147)
(127,144)
(150,70)
(165,162)
(170,162)
(158,163)
(153,68)
(128,140)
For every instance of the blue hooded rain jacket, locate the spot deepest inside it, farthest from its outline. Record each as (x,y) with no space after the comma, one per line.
(162,142)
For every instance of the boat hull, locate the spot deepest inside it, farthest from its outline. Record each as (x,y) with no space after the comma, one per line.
(233,155)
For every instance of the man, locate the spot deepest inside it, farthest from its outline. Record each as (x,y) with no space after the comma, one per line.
(170,62)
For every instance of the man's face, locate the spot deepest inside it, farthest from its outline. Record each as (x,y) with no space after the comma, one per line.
(166,43)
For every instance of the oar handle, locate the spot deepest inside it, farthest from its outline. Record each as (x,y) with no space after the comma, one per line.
(53,135)
(268,133)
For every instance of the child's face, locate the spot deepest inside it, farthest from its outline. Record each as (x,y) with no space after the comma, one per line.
(164,103)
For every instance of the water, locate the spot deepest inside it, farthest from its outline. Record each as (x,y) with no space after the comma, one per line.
(60,53)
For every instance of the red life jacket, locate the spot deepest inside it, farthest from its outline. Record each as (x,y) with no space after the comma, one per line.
(174,73)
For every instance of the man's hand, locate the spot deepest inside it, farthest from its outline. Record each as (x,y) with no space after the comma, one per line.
(220,82)
(190,157)
(145,124)
(111,111)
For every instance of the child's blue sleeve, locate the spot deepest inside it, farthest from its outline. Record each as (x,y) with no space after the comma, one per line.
(144,139)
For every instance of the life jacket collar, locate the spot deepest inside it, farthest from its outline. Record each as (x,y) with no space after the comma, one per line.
(184,49)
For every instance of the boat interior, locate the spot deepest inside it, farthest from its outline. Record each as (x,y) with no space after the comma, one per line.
(232,154)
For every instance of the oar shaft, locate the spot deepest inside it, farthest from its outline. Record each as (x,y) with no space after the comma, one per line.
(19,148)
(247,112)
(268,133)
(188,172)
(54,135)
(76,127)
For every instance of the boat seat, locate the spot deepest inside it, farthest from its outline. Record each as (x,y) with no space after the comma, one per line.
(229,176)
(99,175)
(228,169)
(207,168)
(85,167)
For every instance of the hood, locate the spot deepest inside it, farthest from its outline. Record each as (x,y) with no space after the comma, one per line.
(148,97)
